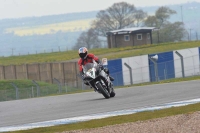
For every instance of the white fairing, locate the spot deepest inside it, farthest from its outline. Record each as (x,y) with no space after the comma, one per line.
(91,73)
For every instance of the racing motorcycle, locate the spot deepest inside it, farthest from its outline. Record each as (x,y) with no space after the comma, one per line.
(96,77)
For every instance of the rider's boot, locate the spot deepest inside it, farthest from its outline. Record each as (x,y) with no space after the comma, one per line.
(85,82)
(107,71)
(111,78)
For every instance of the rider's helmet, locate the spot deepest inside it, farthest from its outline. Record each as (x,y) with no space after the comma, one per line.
(83,52)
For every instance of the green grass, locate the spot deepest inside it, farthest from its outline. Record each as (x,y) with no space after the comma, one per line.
(27,89)
(113,53)
(6,84)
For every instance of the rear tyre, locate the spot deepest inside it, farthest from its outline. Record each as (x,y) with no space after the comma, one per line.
(103,90)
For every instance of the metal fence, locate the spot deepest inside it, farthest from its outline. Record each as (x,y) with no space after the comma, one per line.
(16,93)
(64,88)
(65,80)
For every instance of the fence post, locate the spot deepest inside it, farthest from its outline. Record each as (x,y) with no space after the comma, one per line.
(17,90)
(155,68)
(4,73)
(63,70)
(59,85)
(14,70)
(165,74)
(27,77)
(32,91)
(182,63)
(76,73)
(51,72)
(39,73)
(130,71)
(38,87)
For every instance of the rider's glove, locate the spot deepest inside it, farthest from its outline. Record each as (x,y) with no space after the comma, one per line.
(83,76)
(100,66)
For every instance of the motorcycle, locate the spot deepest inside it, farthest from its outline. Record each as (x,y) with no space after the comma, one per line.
(96,77)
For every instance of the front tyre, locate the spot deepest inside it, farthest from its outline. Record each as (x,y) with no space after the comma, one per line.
(103,90)
(112,94)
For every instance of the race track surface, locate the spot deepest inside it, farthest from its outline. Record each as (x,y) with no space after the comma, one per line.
(72,105)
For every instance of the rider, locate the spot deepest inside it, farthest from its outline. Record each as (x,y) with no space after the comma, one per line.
(86,57)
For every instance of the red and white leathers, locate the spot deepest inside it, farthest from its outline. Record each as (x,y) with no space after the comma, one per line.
(89,59)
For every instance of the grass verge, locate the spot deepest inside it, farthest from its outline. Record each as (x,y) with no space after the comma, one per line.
(113,53)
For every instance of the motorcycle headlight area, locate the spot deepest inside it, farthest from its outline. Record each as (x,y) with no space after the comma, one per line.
(91,72)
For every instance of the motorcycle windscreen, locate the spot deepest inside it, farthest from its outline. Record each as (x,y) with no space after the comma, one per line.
(88,66)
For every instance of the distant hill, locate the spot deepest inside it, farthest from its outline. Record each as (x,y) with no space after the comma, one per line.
(45,20)
(32,35)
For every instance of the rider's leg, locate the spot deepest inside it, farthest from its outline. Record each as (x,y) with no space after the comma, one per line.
(107,71)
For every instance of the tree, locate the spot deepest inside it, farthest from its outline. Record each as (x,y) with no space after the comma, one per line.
(172,32)
(151,21)
(162,14)
(140,16)
(167,32)
(88,39)
(118,16)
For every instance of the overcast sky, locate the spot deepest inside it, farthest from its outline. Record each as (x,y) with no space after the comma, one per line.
(28,8)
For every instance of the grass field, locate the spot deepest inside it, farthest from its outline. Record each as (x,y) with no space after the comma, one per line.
(113,53)
(70,26)
(5,84)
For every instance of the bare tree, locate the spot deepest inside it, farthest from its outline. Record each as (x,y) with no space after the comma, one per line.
(118,16)
(140,16)
(88,39)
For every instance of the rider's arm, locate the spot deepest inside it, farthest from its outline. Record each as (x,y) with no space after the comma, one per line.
(80,67)
(94,57)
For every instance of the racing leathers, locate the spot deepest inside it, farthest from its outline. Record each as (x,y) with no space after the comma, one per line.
(89,59)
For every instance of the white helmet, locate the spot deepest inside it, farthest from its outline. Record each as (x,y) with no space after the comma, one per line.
(83,52)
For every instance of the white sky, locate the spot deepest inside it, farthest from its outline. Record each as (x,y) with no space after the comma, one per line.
(29,8)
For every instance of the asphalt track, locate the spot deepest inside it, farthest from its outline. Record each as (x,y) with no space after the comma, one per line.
(65,106)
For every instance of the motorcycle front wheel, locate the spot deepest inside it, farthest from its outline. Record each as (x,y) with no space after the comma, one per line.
(112,94)
(103,90)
